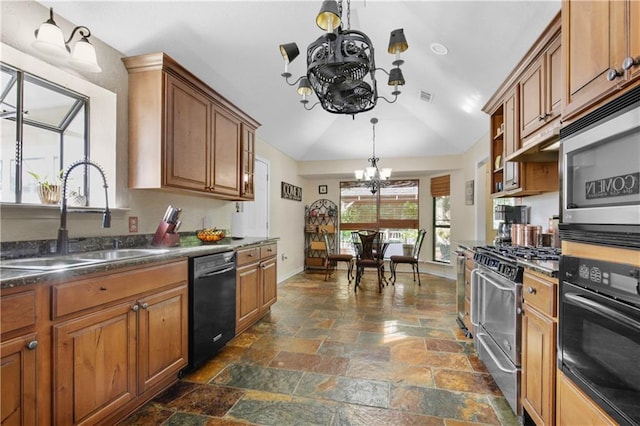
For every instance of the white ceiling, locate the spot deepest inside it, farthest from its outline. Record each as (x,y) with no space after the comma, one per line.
(233,46)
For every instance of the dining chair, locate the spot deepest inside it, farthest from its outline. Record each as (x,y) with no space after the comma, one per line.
(368,251)
(332,259)
(410,260)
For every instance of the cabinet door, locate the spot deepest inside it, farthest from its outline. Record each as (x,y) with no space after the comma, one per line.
(532,98)
(95,360)
(162,336)
(553,85)
(511,141)
(248,296)
(18,372)
(187,136)
(225,170)
(576,408)
(248,162)
(634,38)
(268,270)
(538,366)
(593,39)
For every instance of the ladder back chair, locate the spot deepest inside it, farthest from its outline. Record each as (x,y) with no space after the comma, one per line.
(332,259)
(410,260)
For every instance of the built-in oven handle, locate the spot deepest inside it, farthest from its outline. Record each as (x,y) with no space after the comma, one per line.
(475,304)
(481,337)
(497,284)
(603,310)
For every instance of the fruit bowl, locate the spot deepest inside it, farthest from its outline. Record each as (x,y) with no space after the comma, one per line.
(210,235)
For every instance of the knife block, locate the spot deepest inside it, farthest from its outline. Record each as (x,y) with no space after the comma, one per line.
(164,236)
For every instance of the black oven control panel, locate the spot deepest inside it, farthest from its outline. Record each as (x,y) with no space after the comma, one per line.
(616,280)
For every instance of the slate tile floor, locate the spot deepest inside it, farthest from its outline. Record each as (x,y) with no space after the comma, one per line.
(327,356)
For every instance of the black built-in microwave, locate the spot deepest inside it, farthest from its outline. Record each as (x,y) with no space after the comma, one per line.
(600,166)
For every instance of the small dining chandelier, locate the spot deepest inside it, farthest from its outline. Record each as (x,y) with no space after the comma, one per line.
(371,176)
(341,65)
(49,40)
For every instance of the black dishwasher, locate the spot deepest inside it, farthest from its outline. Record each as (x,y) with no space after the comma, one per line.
(212,305)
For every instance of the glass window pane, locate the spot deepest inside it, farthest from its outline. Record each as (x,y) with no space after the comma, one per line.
(443,245)
(41,155)
(73,150)
(45,105)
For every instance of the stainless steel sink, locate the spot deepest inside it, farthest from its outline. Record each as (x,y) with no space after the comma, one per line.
(118,254)
(45,263)
(78,259)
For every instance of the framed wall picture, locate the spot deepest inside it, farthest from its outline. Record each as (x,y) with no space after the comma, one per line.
(468,193)
(322,189)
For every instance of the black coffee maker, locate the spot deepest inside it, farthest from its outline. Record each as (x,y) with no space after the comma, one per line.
(508,215)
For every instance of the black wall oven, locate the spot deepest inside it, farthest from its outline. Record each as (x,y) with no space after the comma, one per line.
(599,338)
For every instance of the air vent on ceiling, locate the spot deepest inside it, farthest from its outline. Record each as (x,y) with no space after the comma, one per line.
(426,96)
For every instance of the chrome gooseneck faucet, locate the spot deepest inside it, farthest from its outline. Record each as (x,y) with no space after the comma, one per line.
(62,246)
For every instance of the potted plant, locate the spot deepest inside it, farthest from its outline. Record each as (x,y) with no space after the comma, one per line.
(48,191)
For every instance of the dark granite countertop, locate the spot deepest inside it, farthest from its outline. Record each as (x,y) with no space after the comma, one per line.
(189,248)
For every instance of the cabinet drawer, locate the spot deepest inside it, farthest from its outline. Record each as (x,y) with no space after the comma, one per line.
(18,310)
(101,289)
(268,250)
(540,293)
(247,256)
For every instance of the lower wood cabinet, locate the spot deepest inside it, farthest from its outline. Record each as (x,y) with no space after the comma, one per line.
(539,331)
(256,284)
(19,380)
(576,408)
(110,359)
(19,352)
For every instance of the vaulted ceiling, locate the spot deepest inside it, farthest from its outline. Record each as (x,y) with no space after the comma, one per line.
(233,46)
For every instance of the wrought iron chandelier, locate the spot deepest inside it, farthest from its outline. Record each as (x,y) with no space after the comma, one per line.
(341,65)
(372,176)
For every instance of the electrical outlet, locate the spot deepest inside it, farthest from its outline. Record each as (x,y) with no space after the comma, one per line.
(284,257)
(133,224)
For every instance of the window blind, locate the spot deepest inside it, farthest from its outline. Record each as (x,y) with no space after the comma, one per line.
(440,186)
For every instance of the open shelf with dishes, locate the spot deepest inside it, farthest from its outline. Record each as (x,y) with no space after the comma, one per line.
(497,150)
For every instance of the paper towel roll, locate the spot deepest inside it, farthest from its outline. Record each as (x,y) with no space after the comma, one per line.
(238,225)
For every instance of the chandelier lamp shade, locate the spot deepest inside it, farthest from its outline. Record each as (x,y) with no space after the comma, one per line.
(341,68)
(49,40)
(371,176)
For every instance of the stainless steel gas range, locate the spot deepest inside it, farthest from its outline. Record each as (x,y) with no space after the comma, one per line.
(496,308)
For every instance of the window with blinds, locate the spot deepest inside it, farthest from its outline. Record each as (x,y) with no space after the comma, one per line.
(440,191)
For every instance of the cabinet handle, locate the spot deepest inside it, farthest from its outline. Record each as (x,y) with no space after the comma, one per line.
(630,62)
(32,344)
(531,290)
(145,305)
(612,74)
(544,116)
(135,308)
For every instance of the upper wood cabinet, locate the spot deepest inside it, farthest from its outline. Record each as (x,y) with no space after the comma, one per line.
(183,135)
(540,94)
(601,42)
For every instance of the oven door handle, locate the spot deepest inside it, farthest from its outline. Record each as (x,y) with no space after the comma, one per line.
(600,309)
(475,304)
(496,284)
(481,337)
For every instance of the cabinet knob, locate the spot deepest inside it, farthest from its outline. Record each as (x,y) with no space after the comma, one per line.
(544,116)
(629,63)
(32,344)
(135,308)
(531,290)
(612,74)
(145,305)
(263,266)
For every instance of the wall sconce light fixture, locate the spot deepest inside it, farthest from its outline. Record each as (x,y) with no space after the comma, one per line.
(50,41)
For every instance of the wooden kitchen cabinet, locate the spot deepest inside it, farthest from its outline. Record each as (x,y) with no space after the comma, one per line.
(247,189)
(523,111)
(576,408)
(539,331)
(598,36)
(256,284)
(540,92)
(19,357)
(183,135)
(118,339)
